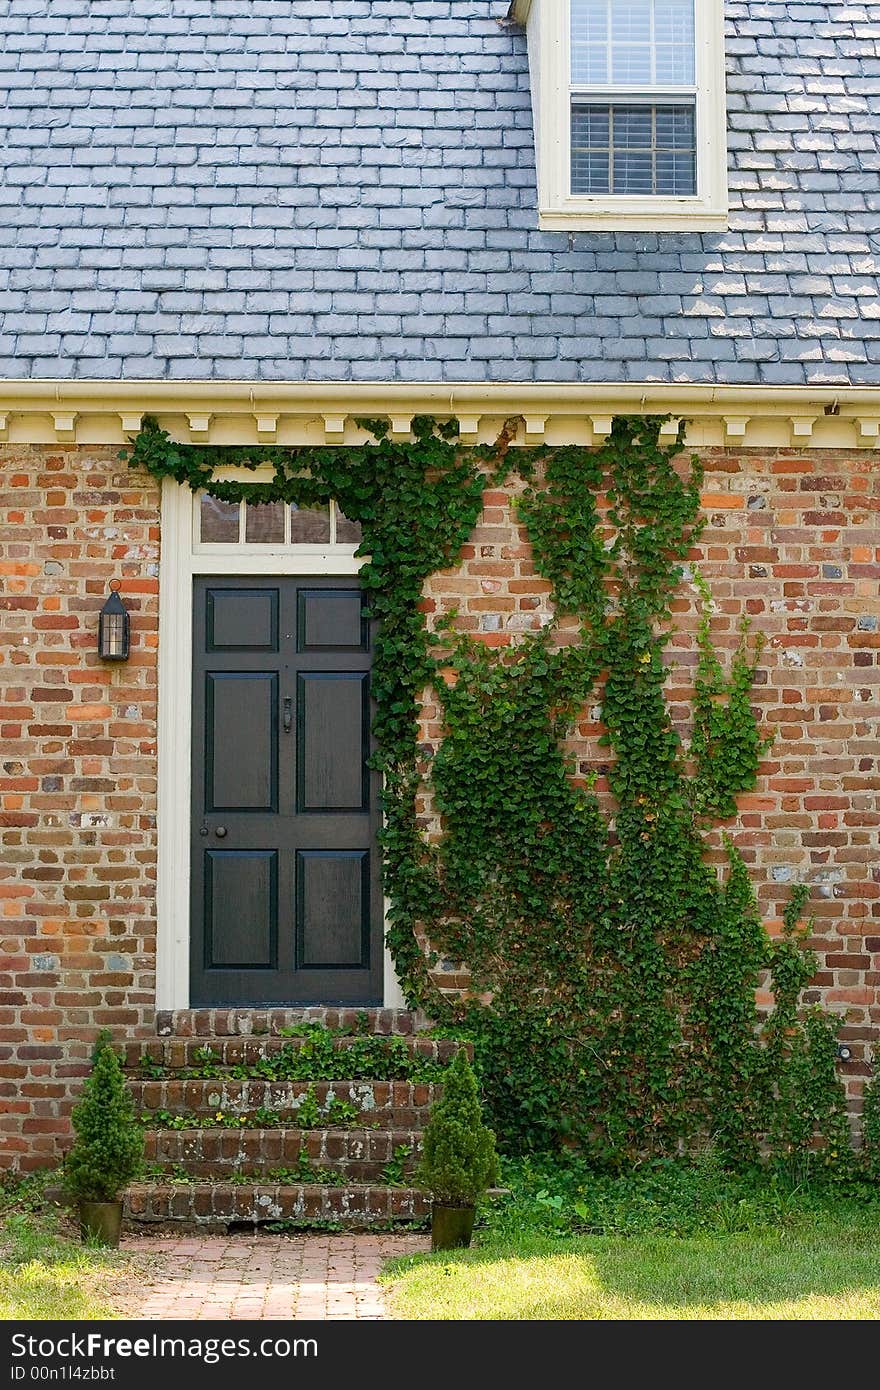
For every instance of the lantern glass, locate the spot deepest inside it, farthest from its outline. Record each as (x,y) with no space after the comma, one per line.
(113,630)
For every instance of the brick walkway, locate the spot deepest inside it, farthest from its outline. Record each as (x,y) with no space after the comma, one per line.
(309,1277)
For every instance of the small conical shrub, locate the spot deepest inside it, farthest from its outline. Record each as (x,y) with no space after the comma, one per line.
(109,1145)
(458,1161)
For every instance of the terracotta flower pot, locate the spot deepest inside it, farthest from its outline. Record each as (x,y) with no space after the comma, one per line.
(451,1227)
(100,1221)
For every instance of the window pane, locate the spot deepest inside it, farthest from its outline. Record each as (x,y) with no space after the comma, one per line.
(590,149)
(633,127)
(675,149)
(218,521)
(264,522)
(634,149)
(630,21)
(589,41)
(674,41)
(675,127)
(675,174)
(309,525)
(631,64)
(632,42)
(631,139)
(347,532)
(632,171)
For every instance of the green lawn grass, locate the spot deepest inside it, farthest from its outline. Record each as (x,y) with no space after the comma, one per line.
(819,1271)
(667,1240)
(46,1272)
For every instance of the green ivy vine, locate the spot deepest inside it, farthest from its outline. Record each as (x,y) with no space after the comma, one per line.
(613,973)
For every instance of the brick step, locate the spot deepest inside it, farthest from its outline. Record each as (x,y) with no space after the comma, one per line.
(179,1053)
(360,1154)
(206,1023)
(390,1104)
(218,1205)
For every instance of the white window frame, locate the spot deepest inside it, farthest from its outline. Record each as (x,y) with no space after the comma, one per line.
(182,559)
(548,26)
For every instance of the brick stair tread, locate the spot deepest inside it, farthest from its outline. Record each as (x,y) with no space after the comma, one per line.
(159,1186)
(200,1096)
(341,1172)
(179,1053)
(354,1133)
(218,1204)
(361,1154)
(232,1022)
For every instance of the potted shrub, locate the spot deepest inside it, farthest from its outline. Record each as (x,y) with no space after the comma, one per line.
(458,1162)
(108,1149)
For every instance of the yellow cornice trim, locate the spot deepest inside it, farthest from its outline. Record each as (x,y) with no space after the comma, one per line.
(242,412)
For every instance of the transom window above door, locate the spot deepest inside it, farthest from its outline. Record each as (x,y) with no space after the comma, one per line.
(222,526)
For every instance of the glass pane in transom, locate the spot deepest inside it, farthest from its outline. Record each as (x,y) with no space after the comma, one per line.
(218,521)
(264,523)
(310,525)
(347,532)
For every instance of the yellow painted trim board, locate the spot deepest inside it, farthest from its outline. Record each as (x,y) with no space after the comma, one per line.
(295,413)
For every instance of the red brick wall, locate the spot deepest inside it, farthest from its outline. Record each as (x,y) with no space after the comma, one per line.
(792,540)
(77,780)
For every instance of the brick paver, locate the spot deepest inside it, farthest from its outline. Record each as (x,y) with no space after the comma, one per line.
(307,1277)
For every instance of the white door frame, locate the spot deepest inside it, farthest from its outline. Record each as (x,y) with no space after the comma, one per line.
(181,561)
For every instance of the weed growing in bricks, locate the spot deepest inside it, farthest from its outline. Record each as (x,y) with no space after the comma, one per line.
(612,973)
(314,1060)
(309,1114)
(394,1173)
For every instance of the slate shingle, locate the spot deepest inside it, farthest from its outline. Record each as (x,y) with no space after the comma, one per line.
(332,189)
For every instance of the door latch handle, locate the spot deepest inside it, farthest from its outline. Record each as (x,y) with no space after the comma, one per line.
(220,832)
(288,716)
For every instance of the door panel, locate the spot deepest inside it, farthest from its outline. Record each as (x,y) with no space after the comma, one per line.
(331,618)
(333,907)
(241,908)
(333,734)
(241,741)
(242,619)
(286,899)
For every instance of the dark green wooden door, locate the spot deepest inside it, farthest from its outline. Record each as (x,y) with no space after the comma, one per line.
(286,898)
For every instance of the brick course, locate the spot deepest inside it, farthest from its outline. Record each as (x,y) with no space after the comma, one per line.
(791,541)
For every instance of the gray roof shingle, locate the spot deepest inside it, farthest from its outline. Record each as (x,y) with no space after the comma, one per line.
(335,189)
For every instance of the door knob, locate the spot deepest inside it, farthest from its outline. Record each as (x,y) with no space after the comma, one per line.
(220,831)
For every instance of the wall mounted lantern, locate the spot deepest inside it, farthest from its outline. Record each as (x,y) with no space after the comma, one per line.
(113,628)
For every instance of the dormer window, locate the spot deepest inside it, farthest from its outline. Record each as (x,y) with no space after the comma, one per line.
(629,109)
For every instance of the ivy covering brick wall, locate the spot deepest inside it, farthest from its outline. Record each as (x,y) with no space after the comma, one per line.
(790,542)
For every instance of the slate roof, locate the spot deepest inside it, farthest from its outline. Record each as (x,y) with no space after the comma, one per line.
(335,189)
